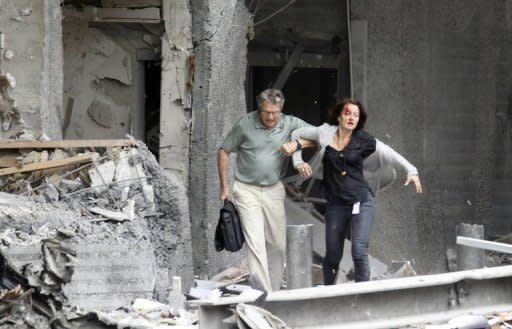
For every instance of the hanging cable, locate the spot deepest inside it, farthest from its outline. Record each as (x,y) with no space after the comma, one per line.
(275,13)
(258,6)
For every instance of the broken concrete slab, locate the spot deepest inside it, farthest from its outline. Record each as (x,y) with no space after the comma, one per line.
(102,175)
(106,276)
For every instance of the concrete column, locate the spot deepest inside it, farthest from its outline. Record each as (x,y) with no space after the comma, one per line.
(359,50)
(52,75)
(299,256)
(469,258)
(176,93)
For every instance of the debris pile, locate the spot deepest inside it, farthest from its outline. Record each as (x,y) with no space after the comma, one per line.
(86,193)
(125,220)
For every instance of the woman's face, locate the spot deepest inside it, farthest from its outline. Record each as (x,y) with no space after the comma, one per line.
(349,117)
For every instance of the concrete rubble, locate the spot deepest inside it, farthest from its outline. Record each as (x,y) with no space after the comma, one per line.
(92,230)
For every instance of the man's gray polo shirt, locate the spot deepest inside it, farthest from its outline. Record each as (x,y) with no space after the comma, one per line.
(259,161)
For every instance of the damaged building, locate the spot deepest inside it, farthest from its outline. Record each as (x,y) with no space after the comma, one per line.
(79,76)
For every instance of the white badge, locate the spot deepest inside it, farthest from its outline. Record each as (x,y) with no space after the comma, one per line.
(355,209)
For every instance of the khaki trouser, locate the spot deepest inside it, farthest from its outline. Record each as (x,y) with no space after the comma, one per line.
(261,210)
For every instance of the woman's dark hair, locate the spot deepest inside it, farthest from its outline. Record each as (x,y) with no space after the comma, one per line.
(334,113)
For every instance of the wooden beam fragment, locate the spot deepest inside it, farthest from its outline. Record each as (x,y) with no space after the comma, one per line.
(8,159)
(131,3)
(125,15)
(49,164)
(82,143)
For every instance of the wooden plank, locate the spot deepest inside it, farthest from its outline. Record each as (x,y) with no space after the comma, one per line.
(48,164)
(484,244)
(131,3)
(125,15)
(67,115)
(82,143)
(8,159)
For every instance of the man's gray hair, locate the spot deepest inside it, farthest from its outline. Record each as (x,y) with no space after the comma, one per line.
(274,96)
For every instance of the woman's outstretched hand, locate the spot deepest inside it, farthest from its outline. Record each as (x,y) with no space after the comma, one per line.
(415,179)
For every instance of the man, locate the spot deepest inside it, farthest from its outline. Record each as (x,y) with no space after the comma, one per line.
(257,190)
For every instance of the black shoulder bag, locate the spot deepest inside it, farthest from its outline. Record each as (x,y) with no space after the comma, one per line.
(228,234)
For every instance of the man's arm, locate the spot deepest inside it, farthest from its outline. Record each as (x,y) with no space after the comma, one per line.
(222,167)
(289,147)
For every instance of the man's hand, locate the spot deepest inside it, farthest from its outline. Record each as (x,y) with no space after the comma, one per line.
(224,195)
(288,148)
(305,170)
(415,179)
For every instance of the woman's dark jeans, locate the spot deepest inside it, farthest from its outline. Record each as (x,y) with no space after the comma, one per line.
(338,217)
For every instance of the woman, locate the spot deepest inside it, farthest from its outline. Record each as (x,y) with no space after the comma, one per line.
(344,145)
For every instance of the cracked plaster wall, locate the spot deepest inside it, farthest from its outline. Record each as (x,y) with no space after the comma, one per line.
(219,30)
(33,57)
(103,76)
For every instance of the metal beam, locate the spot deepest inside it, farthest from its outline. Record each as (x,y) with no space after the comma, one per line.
(287,69)
(307,60)
(386,303)
(483,244)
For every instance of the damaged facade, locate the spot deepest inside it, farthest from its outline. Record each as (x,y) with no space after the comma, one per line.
(176,75)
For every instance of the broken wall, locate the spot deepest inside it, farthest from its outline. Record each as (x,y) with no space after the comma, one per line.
(31,95)
(219,30)
(103,76)
(438,86)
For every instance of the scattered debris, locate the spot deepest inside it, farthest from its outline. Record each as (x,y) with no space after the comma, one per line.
(127,213)
(466,321)
(231,275)
(8,55)
(254,317)
(404,271)
(26,11)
